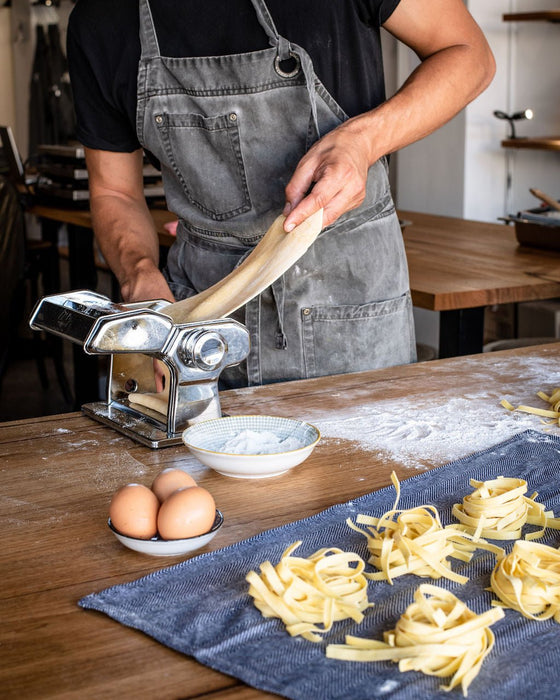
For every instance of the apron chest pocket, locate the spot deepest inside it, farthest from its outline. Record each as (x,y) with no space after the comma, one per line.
(378,335)
(205,153)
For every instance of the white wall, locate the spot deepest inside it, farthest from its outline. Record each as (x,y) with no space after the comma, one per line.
(471,175)
(535,84)
(484,193)
(7,97)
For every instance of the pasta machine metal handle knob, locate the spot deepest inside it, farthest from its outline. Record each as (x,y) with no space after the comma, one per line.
(203,349)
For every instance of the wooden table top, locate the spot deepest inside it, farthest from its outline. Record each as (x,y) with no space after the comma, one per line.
(458,264)
(58,474)
(453,263)
(82,217)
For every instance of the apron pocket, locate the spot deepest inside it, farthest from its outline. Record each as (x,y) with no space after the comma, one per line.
(205,154)
(354,338)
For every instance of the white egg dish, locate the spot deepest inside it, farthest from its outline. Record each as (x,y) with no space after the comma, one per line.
(168,548)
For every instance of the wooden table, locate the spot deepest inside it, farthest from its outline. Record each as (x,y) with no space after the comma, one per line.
(81,218)
(458,267)
(58,474)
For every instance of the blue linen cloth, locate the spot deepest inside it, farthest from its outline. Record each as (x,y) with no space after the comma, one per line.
(201,607)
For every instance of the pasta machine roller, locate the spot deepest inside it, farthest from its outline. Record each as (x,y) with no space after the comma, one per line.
(134,335)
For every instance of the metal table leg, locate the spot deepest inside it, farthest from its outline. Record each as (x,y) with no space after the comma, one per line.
(461,332)
(83,275)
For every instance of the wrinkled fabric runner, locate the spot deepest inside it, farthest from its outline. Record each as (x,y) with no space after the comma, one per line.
(201,607)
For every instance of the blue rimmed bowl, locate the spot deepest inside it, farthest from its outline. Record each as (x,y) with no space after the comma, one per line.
(251,447)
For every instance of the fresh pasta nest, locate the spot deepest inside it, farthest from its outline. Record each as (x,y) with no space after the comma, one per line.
(437,634)
(528,580)
(498,509)
(304,593)
(414,541)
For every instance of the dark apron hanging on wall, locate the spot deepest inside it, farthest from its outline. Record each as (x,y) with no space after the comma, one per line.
(51,109)
(39,123)
(61,106)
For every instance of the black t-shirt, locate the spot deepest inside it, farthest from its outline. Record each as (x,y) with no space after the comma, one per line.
(103,46)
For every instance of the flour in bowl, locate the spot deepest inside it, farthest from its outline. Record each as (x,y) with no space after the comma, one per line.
(259,442)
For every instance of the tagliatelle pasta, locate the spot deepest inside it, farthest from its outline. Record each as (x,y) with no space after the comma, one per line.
(498,509)
(307,592)
(553,400)
(437,634)
(413,541)
(528,580)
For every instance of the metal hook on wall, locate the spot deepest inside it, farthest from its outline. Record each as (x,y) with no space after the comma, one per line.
(45,12)
(512,118)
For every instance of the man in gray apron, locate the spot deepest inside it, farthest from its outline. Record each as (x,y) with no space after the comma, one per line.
(229,132)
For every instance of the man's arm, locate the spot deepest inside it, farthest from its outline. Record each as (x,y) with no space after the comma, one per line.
(123,225)
(456,66)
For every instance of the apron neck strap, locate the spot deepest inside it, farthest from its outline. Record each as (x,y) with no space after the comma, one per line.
(148,37)
(309,73)
(285,52)
(267,23)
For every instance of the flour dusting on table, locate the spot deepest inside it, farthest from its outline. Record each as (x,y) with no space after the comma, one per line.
(419,430)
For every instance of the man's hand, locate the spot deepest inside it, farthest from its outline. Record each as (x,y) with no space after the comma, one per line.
(337,165)
(456,66)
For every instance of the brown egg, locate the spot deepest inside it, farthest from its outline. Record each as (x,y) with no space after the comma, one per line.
(133,511)
(188,512)
(170,480)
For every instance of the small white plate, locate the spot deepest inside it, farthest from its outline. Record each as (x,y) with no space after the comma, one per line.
(168,548)
(206,441)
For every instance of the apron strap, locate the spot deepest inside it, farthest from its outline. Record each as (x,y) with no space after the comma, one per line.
(148,36)
(278,289)
(286,52)
(309,73)
(267,23)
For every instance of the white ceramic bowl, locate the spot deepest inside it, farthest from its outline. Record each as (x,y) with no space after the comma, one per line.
(168,548)
(208,442)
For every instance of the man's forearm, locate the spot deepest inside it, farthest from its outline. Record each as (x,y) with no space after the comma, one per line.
(433,94)
(128,241)
(123,225)
(456,65)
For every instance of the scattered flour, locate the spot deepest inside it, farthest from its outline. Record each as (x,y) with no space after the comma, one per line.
(418,431)
(259,442)
(389,686)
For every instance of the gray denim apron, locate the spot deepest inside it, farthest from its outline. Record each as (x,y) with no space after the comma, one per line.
(229,132)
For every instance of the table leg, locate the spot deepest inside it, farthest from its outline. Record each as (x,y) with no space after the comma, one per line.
(461,332)
(51,271)
(83,275)
(47,265)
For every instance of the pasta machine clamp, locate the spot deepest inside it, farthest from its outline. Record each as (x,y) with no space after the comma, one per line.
(134,335)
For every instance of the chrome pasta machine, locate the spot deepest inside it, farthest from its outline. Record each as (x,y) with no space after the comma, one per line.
(138,337)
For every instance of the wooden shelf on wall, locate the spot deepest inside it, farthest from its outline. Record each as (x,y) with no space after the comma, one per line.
(541,16)
(542,143)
